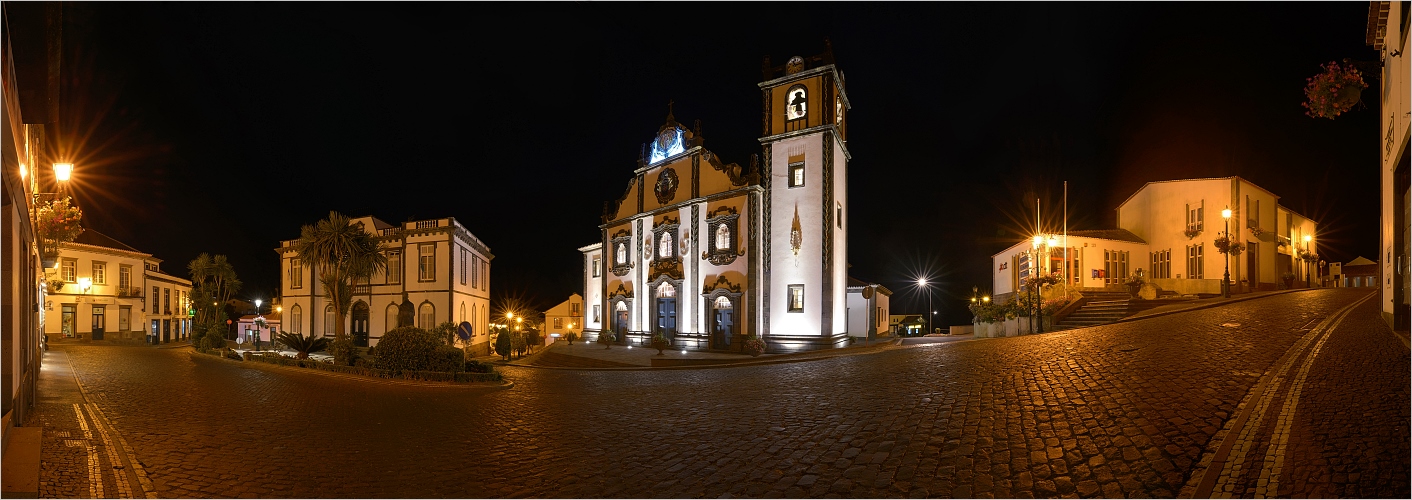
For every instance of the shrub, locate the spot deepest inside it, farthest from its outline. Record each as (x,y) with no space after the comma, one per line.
(343,351)
(446,331)
(571,337)
(447,359)
(503,345)
(213,340)
(407,348)
(474,366)
(302,344)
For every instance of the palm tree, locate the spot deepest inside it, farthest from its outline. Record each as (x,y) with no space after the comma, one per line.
(341,252)
(213,282)
(301,344)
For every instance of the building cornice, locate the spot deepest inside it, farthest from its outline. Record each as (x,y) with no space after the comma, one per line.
(743,190)
(812,130)
(81,247)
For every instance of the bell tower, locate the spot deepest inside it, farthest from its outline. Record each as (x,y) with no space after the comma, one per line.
(804,135)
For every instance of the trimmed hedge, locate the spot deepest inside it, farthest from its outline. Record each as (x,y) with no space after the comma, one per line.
(424,375)
(408,349)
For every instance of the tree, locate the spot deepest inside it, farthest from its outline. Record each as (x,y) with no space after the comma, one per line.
(213,282)
(341,252)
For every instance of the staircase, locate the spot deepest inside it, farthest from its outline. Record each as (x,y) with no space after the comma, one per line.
(1102,308)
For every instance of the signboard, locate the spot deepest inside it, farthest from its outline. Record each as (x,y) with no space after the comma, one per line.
(1098,274)
(464,331)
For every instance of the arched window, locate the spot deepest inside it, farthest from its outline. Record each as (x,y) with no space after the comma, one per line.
(296,319)
(391,319)
(666,290)
(796,103)
(463,312)
(426,316)
(723,237)
(664,245)
(723,302)
(328,319)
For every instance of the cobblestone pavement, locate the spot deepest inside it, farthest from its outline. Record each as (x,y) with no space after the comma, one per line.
(1139,409)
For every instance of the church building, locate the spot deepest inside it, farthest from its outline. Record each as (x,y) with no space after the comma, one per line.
(706,252)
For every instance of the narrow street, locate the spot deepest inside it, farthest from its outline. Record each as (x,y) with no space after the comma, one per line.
(1299,394)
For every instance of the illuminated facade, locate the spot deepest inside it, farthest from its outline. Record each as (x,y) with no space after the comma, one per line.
(102,289)
(1388,24)
(436,265)
(1168,229)
(705,252)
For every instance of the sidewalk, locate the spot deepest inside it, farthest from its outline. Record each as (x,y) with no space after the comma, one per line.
(1195,304)
(640,357)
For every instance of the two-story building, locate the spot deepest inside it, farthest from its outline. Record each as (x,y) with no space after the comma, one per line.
(563,319)
(103,289)
(437,265)
(1169,228)
(1388,24)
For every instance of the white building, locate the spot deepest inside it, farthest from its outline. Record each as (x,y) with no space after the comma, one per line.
(705,251)
(436,265)
(103,289)
(868,309)
(1387,33)
(563,319)
(1168,229)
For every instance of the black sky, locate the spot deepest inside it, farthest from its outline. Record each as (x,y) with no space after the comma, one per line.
(223,127)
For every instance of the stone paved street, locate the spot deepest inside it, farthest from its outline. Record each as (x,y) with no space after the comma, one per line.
(1138,409)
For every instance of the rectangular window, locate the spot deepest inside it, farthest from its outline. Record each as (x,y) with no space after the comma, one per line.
(558,322)
(796,298)
(1195,261)
(156,296)
(100,273)
(796,174)
(597,311)
(485,271)
(597,265)
(166,301)
(575,309)
(838,214)
(124,280)
(426,264)
(69,270)
(463,267)
(394,267)
(296,273)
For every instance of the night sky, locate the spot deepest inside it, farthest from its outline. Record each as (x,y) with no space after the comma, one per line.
(224,127)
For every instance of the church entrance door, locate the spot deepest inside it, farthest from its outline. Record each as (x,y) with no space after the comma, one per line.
(722,322)
(667,316)
(620,324)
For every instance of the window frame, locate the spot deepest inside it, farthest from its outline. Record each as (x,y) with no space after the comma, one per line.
(296,273)
(68,270)
(802,176)
(426,263)
(796,298)
(100,273)
(393,274)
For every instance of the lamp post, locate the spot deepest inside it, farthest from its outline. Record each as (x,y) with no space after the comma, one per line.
(257,326)
(1226,280)
(922,282)
(1307,261)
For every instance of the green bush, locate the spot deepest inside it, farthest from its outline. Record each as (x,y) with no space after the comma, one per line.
(447,359)
(474,366)
(503,345)
(303,344)
(407,348)
(343,351)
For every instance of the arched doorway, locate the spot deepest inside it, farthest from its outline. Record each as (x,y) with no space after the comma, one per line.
(620,320)
(360,324)
(666,310)
(723,320)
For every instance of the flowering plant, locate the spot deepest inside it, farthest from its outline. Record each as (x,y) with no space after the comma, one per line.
(58,221)
(1053,306)
(1136,279)
(1037,280)
(1191,232)
(1334,91)
(1226,245)
(606,337)
(1308,256)
(754,345)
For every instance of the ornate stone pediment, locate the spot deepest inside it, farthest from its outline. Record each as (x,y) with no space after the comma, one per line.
(622,291)
(721,284)
(670,268)
(738,175)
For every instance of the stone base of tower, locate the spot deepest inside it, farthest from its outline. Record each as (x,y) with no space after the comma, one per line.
(779,344)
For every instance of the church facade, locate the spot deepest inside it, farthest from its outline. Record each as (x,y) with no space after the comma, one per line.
(706,252)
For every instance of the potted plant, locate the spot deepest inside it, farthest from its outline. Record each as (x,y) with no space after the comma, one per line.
(753,345)
(55,285)
(606,338)
(1191,232)
(660,342)
(1288,278)
(1334,91)
(56,222)
(571,337)
(1134,284)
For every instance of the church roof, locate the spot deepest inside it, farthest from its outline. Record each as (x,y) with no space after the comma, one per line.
(1109,234)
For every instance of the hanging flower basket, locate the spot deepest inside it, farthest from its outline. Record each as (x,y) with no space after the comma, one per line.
(1191,233)
(1227,246)
(1333,92)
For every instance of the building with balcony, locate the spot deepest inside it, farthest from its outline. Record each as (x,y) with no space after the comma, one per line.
(436,265)
(103,289)
(1168,229)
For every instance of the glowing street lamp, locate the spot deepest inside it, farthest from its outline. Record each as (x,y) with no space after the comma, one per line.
(922,282)
(63,171)
(1306,262)
(1226,281)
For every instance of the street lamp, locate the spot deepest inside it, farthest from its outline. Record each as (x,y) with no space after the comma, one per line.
(1226,281)
(922,282)
(1307,262)
(62,171)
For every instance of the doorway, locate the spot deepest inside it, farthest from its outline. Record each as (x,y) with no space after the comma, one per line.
(1252,265)
(99,322)
(69,321)
(360,324)
(722,322)
(666,310)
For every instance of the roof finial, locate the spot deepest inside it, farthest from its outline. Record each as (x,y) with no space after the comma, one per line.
(670,118)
